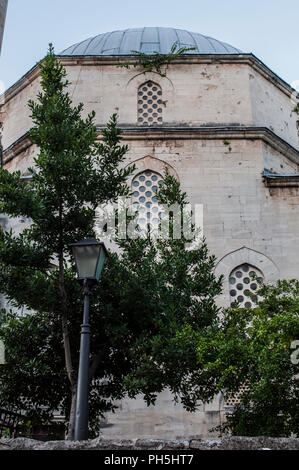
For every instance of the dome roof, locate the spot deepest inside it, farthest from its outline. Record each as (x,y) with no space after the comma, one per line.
(148,40)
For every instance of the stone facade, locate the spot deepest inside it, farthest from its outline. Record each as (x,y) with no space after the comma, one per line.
(199,91)
(228,123)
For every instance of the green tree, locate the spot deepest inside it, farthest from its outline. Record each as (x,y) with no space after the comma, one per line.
(253,348)
(150,292)
(72,176)
(33,376)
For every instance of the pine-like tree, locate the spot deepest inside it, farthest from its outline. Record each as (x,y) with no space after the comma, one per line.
(72,175)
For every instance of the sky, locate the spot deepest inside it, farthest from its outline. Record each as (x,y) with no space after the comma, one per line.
(268,28)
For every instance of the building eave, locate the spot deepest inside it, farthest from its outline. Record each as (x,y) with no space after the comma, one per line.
(181,133)
(209,133)
(273,180)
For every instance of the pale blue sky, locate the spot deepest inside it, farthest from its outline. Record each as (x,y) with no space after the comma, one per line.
(268,28)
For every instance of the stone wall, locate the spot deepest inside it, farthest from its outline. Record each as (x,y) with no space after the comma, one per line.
(226,177)
(194,95)
(228,443)
(272,108)
(165,419)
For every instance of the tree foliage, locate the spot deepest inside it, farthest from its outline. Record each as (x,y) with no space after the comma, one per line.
(253,347)
(32,380)
(155,61)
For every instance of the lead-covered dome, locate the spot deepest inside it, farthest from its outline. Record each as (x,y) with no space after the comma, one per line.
(148,40)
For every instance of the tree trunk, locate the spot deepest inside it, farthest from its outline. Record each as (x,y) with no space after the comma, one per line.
(67,347)
(71,427)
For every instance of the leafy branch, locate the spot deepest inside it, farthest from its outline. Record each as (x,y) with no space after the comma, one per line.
(154,62)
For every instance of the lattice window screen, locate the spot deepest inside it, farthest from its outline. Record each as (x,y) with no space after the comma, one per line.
(233,400)
(145,186)
(149,104)
(244,282)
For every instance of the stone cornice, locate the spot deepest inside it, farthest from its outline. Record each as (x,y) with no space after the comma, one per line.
(249,59)
(210,133)
(22,83)
(182,133)
(281,181)
(15,149)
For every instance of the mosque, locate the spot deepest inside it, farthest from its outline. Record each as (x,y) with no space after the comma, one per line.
(224,124)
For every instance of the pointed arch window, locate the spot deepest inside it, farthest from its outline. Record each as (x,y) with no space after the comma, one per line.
(149,104)
(244,282)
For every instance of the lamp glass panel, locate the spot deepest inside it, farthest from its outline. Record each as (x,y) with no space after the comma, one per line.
(87,259)
(101,262)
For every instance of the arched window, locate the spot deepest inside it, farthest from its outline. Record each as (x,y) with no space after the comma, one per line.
(244,281)
(149,104)
(145,186)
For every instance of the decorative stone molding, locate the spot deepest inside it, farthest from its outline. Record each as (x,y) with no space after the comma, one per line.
(214,133)
(189,133)
(238,257)
(153,164)
(18,147)
(281,181)
(138,79)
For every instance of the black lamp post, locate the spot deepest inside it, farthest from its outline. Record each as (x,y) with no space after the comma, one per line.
(90,256)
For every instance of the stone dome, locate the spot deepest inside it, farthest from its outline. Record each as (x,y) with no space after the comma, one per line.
(147,40)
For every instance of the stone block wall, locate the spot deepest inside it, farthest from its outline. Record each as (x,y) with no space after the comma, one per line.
(193,95)
(194,445)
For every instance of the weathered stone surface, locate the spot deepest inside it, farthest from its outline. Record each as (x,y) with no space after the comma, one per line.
(150,444)
(259,443)
(228,443)
(204,444)
(208,95)
(115,444)
(162,444)
(21,443)
(176,445)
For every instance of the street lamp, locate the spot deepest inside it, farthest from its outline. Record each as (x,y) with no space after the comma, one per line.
(90,256)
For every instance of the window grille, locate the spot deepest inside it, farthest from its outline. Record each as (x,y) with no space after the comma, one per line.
(233,400)
(149,104)
(244,282)
(144,187)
